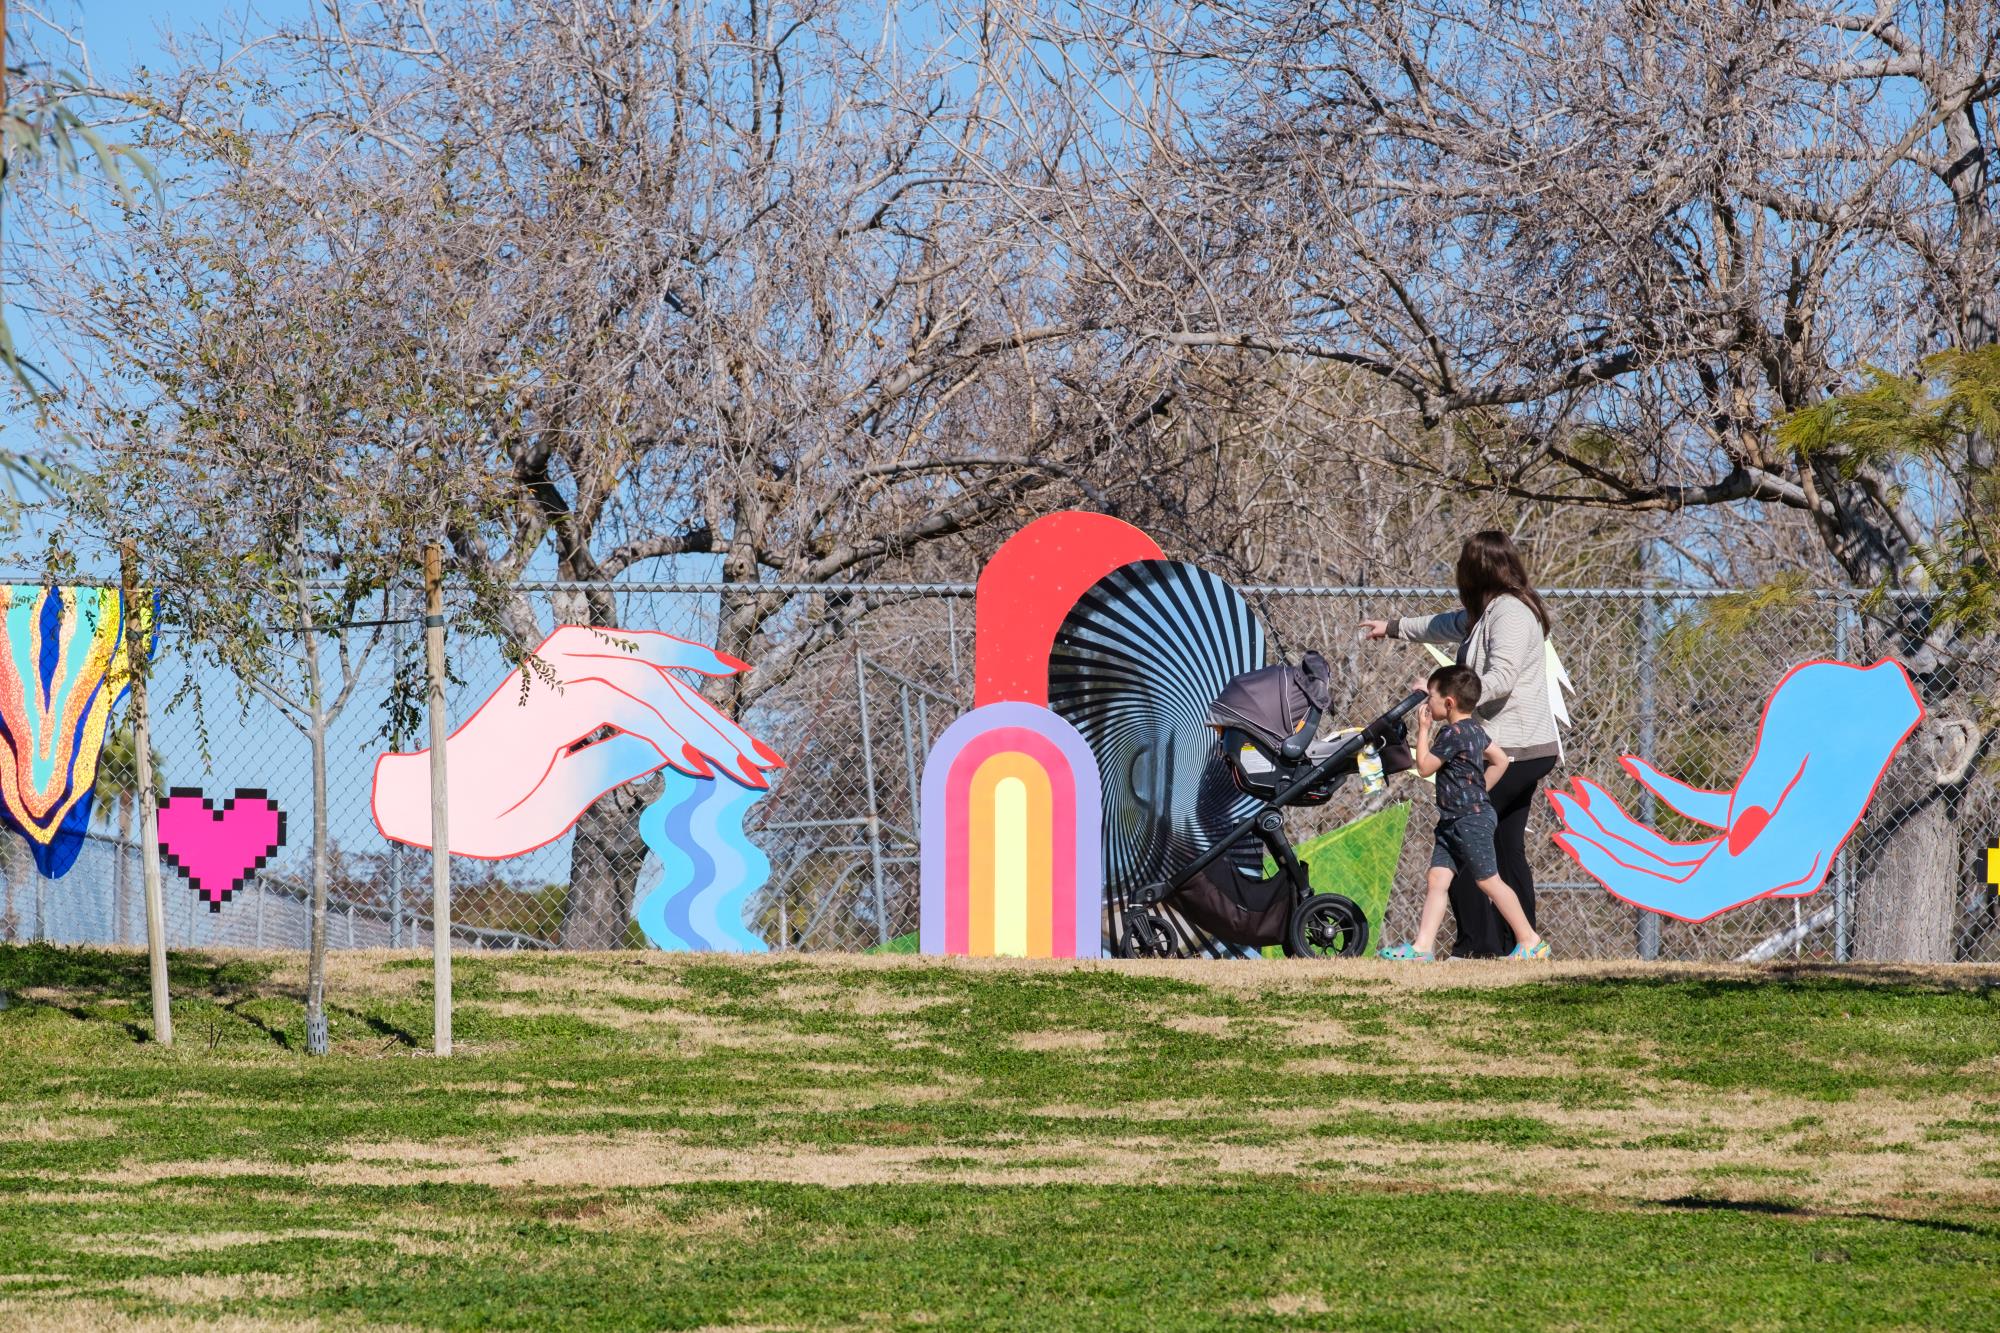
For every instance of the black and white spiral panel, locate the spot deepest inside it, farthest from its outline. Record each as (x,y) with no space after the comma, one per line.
(1134,668)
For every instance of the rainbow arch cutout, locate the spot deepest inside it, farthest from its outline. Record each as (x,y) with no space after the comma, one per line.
(1012,838)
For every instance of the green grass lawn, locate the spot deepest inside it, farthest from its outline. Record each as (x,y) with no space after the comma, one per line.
(638,1141)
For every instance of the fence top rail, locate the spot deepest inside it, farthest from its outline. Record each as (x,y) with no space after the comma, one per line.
(712,588)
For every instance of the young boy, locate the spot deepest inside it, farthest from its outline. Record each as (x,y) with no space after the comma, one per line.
(1467,765)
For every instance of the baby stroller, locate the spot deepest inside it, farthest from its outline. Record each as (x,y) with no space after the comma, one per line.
(1267,722)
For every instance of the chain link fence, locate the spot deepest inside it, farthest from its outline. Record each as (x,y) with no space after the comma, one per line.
(1676,676)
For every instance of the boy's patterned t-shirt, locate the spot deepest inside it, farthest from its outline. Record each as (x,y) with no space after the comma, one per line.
(1460,747)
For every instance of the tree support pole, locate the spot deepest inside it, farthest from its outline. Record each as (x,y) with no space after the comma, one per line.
(440,834)
(137,661)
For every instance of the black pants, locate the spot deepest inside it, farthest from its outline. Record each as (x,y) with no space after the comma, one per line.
(1481,932)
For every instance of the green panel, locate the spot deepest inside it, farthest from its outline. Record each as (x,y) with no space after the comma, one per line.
(1357,860)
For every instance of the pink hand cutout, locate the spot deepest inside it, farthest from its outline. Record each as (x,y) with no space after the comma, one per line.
(515,776)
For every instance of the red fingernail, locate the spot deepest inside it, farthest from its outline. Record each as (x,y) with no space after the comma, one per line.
(736,662)
(767,754)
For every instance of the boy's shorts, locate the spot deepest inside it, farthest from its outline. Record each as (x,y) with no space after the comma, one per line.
(1464,845)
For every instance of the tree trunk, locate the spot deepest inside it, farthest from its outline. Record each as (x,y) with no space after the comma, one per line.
(1907,909)
(605,859)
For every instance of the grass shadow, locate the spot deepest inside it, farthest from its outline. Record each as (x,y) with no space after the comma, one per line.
(122,974)
(1771,1207)
(382,1027)
(276,1034)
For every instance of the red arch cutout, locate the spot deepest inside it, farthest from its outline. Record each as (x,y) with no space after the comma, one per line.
(1027,588)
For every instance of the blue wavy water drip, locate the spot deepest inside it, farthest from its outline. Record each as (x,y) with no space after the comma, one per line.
(712,867)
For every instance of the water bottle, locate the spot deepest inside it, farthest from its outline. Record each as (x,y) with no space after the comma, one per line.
(1369,764)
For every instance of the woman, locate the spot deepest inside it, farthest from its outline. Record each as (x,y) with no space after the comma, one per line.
(1500,633)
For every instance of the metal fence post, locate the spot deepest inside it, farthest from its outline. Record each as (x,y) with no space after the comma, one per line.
(1649,637)
(1843,866)
(951,638)
(874,811)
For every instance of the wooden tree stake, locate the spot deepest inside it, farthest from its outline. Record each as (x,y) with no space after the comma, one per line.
(440,834)
(136,662)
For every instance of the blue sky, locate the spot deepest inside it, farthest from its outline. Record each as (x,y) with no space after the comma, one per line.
(244,748)
(120,36)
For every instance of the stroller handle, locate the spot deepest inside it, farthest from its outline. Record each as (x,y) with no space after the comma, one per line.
(1382,726)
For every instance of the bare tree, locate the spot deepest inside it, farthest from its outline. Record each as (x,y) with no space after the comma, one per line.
(788,296)
(1590,256)
(266,516)
(753,292)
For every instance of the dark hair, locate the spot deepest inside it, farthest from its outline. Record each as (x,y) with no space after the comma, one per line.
(1458,684)
(1490,565)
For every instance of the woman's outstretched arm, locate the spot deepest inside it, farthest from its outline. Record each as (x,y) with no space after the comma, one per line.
(1446,627)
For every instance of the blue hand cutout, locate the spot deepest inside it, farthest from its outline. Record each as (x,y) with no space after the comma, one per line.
(1829,732)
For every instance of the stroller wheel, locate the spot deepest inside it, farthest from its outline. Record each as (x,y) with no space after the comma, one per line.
(1149,935)
(1327,925)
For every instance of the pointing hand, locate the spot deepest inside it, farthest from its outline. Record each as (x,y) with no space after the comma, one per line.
(516,774)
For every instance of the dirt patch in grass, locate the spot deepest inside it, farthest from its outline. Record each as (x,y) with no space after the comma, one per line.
(1063,1039)
(599,982)
(62,1314)
(606,1016)
(1869,1151)
(1878,1148)
(1199,1025)
(735,1223)
(639,1161)
(1288,1305)
(58,1129)
(185,1242)
(145,1173)
(860,1097)
(873,1002)
(194,1288)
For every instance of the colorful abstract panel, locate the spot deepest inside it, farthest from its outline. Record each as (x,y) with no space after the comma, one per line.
(1358,861)
(1029,586)
(62,675)
(712,867)
(1012,861)
(1829,733)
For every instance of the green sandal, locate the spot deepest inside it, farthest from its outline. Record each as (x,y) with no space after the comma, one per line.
(1406,953)
(1539,949)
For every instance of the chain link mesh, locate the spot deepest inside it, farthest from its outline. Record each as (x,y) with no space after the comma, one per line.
(1675,676)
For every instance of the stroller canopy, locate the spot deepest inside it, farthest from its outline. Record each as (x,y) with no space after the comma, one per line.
(1271,703)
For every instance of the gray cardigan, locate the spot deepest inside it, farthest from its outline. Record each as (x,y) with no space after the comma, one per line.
(1507,648)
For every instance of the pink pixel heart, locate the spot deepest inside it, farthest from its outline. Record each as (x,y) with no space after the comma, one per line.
(219,849)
